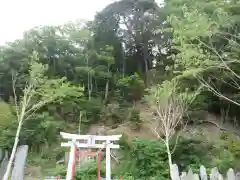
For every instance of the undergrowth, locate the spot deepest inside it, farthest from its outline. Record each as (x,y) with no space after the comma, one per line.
(144,159)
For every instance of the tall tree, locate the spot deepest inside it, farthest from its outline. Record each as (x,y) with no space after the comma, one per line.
(134,23)
(38,92)
(206,41)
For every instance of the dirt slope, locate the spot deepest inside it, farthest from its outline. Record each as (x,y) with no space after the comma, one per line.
(211,127)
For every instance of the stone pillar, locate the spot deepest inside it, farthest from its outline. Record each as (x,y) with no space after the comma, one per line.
(19,163)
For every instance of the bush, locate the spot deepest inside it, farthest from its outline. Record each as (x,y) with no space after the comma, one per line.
(131,87)
(150,159)
(144,159)
(111,114)
(59,170)
(114,114)
(134,117)
(231,147)
(89,172)
(8,124)
(189,153)
(92,108)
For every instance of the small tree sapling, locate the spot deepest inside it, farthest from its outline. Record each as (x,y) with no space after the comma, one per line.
(169,105)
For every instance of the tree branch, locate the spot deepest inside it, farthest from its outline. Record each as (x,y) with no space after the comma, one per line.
(220,57)
(215,91)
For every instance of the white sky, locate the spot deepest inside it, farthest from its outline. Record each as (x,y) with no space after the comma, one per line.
(16,16)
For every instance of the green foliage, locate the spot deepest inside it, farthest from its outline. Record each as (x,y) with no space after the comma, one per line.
(231,145)
(89,172)
(110,114)
(48,90)
(134,117)
(86,172)
(92,108)
(102,68)
(124,143)
(204,41)
(150,158)
(59,170)
(131,87)
(162,94)
(144,159)
(189,154)
(6,114)
(42,131)
(127,177)
(114,114)
(7,119)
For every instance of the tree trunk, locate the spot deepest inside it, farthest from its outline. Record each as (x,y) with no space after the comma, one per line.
(106,90)
(169,158)
(10,163)
(146,71)
(89,83)
(123,68)
(89,86)
(146,59)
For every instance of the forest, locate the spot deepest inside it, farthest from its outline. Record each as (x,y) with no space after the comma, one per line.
(137,63)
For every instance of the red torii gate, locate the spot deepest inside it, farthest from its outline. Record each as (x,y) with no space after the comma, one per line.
(79,141)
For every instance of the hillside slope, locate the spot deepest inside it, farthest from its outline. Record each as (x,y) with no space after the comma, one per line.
(210,127)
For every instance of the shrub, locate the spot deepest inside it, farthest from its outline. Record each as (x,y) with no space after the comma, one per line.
(89,172)
(150,158)
(231,147)
(114,114)
(132,87)
(111,114)
(144,159)
(189,153)
(59,170)
(134,117)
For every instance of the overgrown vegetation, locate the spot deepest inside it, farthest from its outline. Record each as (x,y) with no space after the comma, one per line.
(144,159)
(108,65)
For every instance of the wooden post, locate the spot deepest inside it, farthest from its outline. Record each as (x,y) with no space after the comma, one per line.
(71,161)
(108,161)
(74,162)
(99,165)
